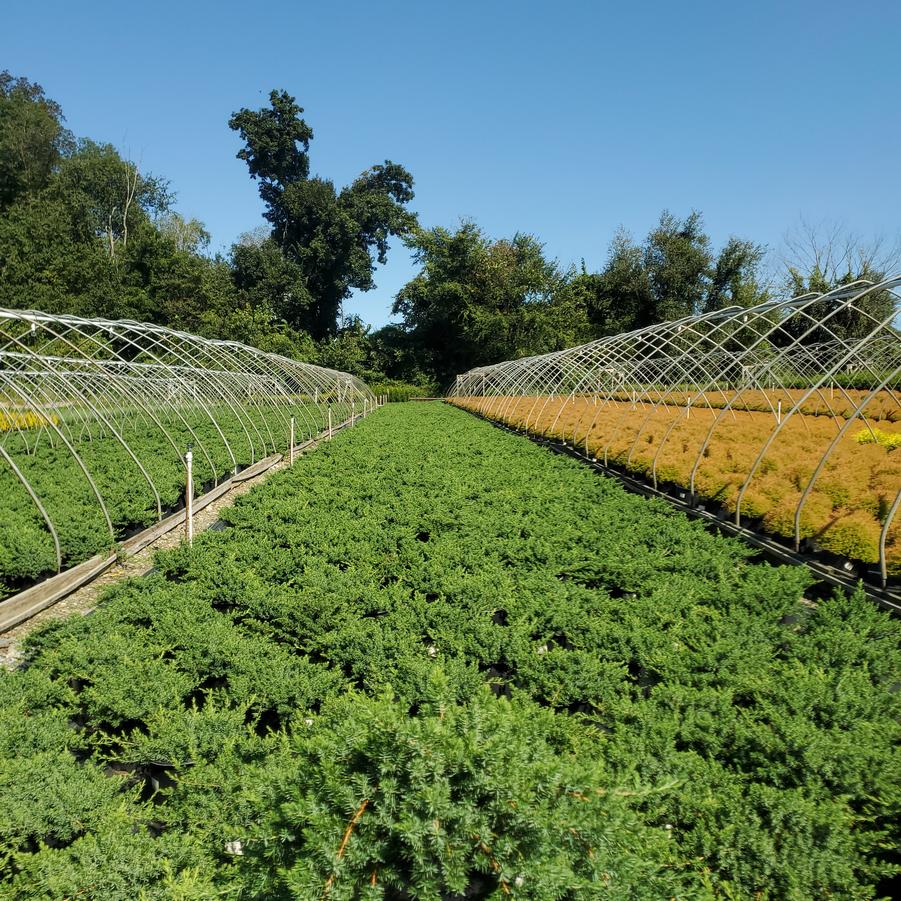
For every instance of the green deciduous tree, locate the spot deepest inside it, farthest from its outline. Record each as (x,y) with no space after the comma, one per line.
(477,301)
(820,258)
(334,238)
(264,276)
(109,193)
(672,274)
(32,137)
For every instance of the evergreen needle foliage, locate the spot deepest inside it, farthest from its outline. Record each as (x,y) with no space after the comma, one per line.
(432,661)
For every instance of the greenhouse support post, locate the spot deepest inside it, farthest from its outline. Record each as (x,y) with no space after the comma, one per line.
(291,444)
(330,423)
(189,495)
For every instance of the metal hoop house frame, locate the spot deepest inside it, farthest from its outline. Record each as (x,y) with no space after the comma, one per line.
(742,383)
(99,413)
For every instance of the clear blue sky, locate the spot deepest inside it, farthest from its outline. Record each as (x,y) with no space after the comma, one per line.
(561,119)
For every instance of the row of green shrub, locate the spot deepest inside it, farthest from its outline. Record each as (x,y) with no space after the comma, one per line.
(432,661)
(27,551)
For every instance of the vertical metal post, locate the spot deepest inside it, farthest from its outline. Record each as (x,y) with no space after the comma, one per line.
(353,413)
(330,422)
(291,444)
(779,412)
(189,495)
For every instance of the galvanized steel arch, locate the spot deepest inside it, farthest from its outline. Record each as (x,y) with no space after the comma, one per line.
(795,360)
(151,391)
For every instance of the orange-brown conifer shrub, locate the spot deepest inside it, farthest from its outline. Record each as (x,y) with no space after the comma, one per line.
(666,440)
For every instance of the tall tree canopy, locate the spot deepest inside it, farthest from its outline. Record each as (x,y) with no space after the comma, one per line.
(32,137)
(819,258)
(83,230)
(477,301)
(330,239)
(672,274)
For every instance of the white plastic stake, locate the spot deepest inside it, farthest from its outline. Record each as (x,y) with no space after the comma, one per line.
(189,496)
(779,412)
(291,444)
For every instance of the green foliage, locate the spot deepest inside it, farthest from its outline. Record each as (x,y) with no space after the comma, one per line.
(330,240)
(476,301)
(32,138)
(83,231)
(333,643)
(477,799)
(28,552)
(397,392)
(674,273)
(108,194)
(265,276)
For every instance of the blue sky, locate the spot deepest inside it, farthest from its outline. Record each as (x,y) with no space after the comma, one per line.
(562,119)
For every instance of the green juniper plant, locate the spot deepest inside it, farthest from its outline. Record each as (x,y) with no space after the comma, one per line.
(475,800)
(430,620)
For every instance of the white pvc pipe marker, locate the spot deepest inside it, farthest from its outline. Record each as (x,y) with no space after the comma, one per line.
(189,496)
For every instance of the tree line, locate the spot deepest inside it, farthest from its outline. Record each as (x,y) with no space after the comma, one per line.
(84,231)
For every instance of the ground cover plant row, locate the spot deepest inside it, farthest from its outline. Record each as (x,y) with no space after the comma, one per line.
(843,513)
(434,661)
(832,400)
(27,551)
